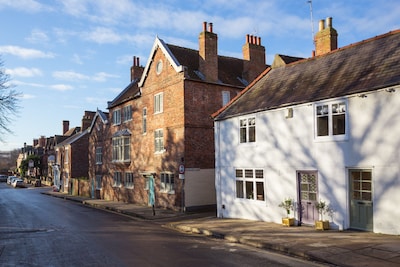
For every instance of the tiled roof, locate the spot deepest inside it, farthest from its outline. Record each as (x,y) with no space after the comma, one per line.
(130,92)
(230,69)
(365,66)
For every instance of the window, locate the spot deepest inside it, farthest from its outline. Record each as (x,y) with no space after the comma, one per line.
(116,117)
(158,103)
(158,140)
(127,113)
(331,119)
(250,184)
(248,130)
(128,180)
(144,120)
(121,148)
(226,97)
(98,181)
(167,183)
(117,179)
(99,155)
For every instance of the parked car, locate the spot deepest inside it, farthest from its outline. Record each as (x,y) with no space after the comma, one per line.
(10,179)
(3,178)
(18,183)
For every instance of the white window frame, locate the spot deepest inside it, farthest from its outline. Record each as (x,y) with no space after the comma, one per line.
(128,180)
(158,103)
(247,124)
(99,179)
(127,113)
(167,182)
(121,149)
(255,179)
(159,141)
(117,179)
(99,155)
(330,109)
(116,117)
(144,120)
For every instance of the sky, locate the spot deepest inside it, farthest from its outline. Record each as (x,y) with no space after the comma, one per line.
(68,56)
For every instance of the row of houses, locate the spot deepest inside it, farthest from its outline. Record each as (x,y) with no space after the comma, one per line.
(196,130)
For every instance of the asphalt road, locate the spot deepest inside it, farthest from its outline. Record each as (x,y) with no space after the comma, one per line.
(38,230)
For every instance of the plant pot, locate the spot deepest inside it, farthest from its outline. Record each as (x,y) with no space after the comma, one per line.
(322,225)
(288,221)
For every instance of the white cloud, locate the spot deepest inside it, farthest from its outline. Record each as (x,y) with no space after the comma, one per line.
(25,53)
(103,35)
(37,36)
(24,72)
(77,59)
(29,6)
(27,96)
(69,76)
(102,76)
(61,87)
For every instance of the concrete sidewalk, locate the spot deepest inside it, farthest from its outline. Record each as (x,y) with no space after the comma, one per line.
(338,248)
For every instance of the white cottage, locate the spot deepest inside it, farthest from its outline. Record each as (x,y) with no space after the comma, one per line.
(323,128)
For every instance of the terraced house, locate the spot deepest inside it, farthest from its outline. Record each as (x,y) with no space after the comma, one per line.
(325,128)
(161,136)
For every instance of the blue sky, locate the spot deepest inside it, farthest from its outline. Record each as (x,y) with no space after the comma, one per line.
(68,56)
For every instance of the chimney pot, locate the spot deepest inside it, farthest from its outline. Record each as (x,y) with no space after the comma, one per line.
(210,27)
(258,40)
(329,22)
(321,24)
(134,61)
(247,38)
(204,26)
(137,62)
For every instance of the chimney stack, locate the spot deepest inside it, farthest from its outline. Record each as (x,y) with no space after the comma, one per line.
(208,53)
(326,37)
(254,56)
(87,119)
(136,70)
(65,126)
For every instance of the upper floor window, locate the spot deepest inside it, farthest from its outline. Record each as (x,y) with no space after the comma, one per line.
(250,184)
(116,117)
(248,130)
(226,97)
(127,113)
(121,148)
(158,103)
(167,183)
(99,155)
(144,120)
(158,140)
(331,119)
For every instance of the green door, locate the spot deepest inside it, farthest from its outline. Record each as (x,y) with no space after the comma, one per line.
(151,194)
(361,212)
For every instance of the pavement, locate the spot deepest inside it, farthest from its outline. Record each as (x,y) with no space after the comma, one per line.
(330,247)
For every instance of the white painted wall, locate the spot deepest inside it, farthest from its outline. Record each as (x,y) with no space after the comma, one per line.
(285,146)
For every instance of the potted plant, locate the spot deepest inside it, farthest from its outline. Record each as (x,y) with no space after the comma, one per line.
(322,208)
(287,205)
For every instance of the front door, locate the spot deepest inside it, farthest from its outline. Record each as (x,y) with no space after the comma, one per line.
(151,194)
(361,212)
(308,190)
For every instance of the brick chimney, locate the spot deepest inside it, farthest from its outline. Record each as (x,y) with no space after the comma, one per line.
(42,141)
(254,56)
(65,126)
(326,37)
(87,119)
(208,53)
(136,70)
(35,142)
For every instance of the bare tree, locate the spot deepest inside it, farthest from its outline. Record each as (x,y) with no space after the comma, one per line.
(8,102)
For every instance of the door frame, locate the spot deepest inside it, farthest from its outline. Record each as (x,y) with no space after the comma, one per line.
(299,206)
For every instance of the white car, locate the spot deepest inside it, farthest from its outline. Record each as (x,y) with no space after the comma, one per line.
(10,179)
(18,183)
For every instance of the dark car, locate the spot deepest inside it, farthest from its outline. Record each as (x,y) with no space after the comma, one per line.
(3,178)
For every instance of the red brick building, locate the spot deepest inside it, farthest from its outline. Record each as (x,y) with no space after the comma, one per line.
(161,136)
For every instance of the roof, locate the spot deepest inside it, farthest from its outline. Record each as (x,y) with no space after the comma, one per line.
(365,66)
(230,70)
(99,114)
(74,138)
(130,92)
